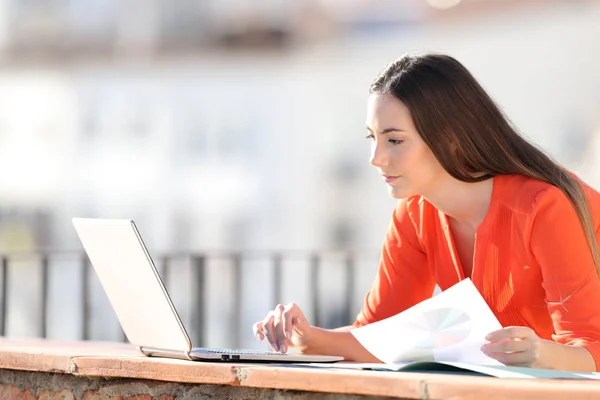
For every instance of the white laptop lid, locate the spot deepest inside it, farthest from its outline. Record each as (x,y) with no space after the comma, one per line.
(131,283)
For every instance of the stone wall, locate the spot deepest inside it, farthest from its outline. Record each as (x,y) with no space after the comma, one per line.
(25,385)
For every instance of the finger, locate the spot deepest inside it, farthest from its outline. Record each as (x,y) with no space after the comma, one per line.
(300,323)
(523,358)
(510,332)
(278,324)
(257,330)
(508,346)
(288,319)
(269,331)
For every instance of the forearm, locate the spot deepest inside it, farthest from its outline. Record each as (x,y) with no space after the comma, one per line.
(569,358)
(338,342)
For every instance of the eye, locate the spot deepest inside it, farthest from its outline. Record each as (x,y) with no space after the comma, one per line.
(370,136)
(395,141)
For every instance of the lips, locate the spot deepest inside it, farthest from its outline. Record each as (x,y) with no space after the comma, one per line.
(389,178)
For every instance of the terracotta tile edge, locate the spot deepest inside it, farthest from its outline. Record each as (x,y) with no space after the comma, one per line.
(333,381)
(408,384)
(471,387)
(36,362)
(199,373)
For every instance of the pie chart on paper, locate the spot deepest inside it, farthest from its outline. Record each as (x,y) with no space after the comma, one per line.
(441,327)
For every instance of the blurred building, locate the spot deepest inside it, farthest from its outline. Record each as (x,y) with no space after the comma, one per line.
(234,123)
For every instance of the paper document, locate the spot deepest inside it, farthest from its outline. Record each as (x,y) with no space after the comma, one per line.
(448,327)
(498,371)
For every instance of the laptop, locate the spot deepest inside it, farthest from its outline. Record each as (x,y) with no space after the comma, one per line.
(142,304)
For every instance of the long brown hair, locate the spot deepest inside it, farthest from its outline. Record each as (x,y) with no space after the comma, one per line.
(468,133)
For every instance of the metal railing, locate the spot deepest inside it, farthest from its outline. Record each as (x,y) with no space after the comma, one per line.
(198,263)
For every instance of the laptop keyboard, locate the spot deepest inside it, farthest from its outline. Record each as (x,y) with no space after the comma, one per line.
(236,351)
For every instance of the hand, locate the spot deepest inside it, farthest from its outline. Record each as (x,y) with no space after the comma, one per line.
(284,327)
(514,345)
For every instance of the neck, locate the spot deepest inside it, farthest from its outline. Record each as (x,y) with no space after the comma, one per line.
(467,203)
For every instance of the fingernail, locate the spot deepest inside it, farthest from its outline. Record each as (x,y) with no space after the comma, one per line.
(488,336)
(261,336)
(483,348)
(287,334)
(276,347)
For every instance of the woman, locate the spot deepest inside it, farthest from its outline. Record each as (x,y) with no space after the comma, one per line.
(477,201)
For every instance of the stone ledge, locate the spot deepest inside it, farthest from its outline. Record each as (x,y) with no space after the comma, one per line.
(111,362)
(161,369)
(415,385)
(55,356)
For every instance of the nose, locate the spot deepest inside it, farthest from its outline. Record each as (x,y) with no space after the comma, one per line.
(379,157)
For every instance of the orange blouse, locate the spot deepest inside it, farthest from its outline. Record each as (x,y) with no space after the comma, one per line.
(531,262)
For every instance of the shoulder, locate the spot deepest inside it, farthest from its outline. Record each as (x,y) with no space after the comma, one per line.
(416,214)
(520,193)
(526,196)
(415,208)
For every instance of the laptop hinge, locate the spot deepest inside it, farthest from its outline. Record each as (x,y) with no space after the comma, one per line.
(154,352)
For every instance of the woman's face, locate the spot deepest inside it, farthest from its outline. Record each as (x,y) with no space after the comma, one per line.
(406,163)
